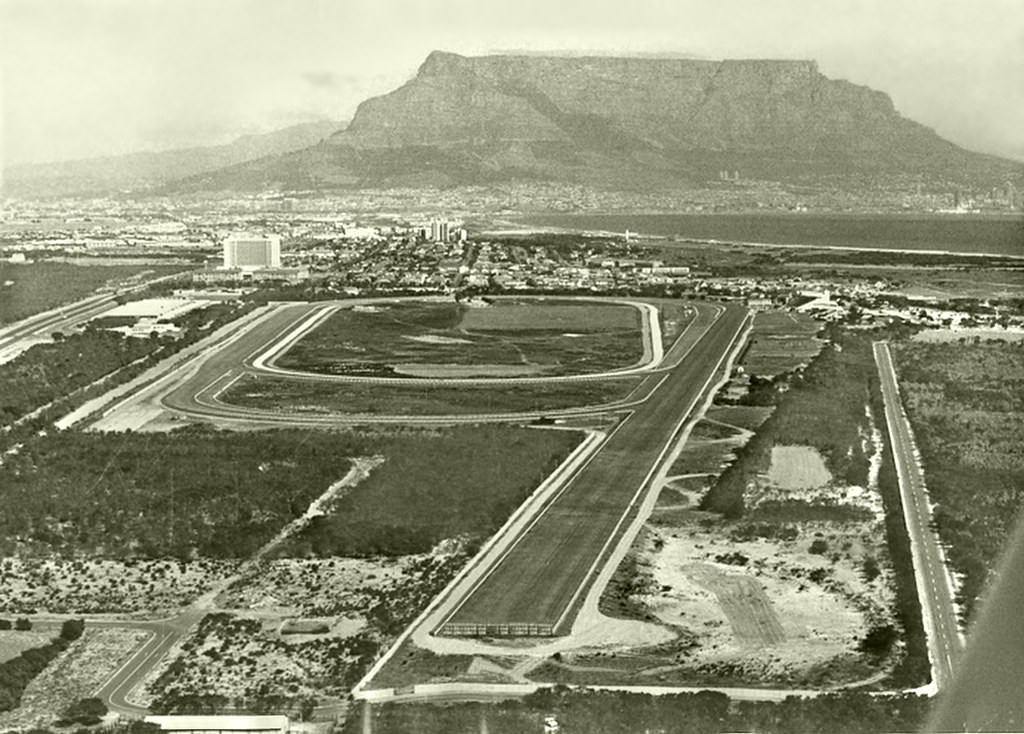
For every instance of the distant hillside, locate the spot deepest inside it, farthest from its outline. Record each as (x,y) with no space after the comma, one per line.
(631,123)
(145,170)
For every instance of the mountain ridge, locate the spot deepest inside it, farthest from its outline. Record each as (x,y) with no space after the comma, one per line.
(641,124)
(631,122)
(146,169)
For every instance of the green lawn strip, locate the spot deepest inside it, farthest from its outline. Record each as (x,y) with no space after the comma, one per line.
(702,457)
(742,416)
(418,399)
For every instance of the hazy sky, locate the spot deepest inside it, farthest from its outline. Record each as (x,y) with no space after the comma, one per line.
(89,77)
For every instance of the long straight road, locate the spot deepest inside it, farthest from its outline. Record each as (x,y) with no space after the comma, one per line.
(933,588)
(19,336)
(536,584)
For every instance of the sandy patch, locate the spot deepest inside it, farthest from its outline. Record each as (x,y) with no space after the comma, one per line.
(466,370)
(768,602)
(437,339)
(84,586)
(743,600)
(980,334)
(311,587)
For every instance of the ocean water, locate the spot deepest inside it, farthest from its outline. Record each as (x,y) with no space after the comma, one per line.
(961,234)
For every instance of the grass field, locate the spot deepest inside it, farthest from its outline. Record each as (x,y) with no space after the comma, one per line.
(13,642)
(534,315)
(780,341)
(552,339)
(320,397)
(33,288)
(797,467)
(702,457)
(742,416)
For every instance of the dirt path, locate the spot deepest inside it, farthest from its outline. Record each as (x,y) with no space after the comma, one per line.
(361,468)
(742,598)
(122,691)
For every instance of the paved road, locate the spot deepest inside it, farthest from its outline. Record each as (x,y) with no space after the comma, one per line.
(16,337)
(266,361)
(195,392)
(545,574)
(945,645)
(165,635)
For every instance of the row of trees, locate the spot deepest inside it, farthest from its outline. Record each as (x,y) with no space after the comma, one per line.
(18,672)
(822,406)
(614,712)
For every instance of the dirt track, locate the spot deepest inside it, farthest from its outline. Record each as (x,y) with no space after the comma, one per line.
(744,602)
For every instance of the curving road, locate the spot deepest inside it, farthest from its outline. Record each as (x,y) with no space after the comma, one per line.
(266,361)
(19,336)
(945,644)
(194,388)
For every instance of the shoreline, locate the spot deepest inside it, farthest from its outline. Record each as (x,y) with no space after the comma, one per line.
(678,238)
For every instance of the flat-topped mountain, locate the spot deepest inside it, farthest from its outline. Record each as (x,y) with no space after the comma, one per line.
(631,122)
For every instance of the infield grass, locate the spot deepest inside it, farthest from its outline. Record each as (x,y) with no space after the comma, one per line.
(315,397)
(551,338)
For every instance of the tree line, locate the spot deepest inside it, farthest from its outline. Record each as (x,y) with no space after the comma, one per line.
(18,672)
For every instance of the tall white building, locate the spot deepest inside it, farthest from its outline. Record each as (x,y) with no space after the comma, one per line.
(440,230)
(252,251)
